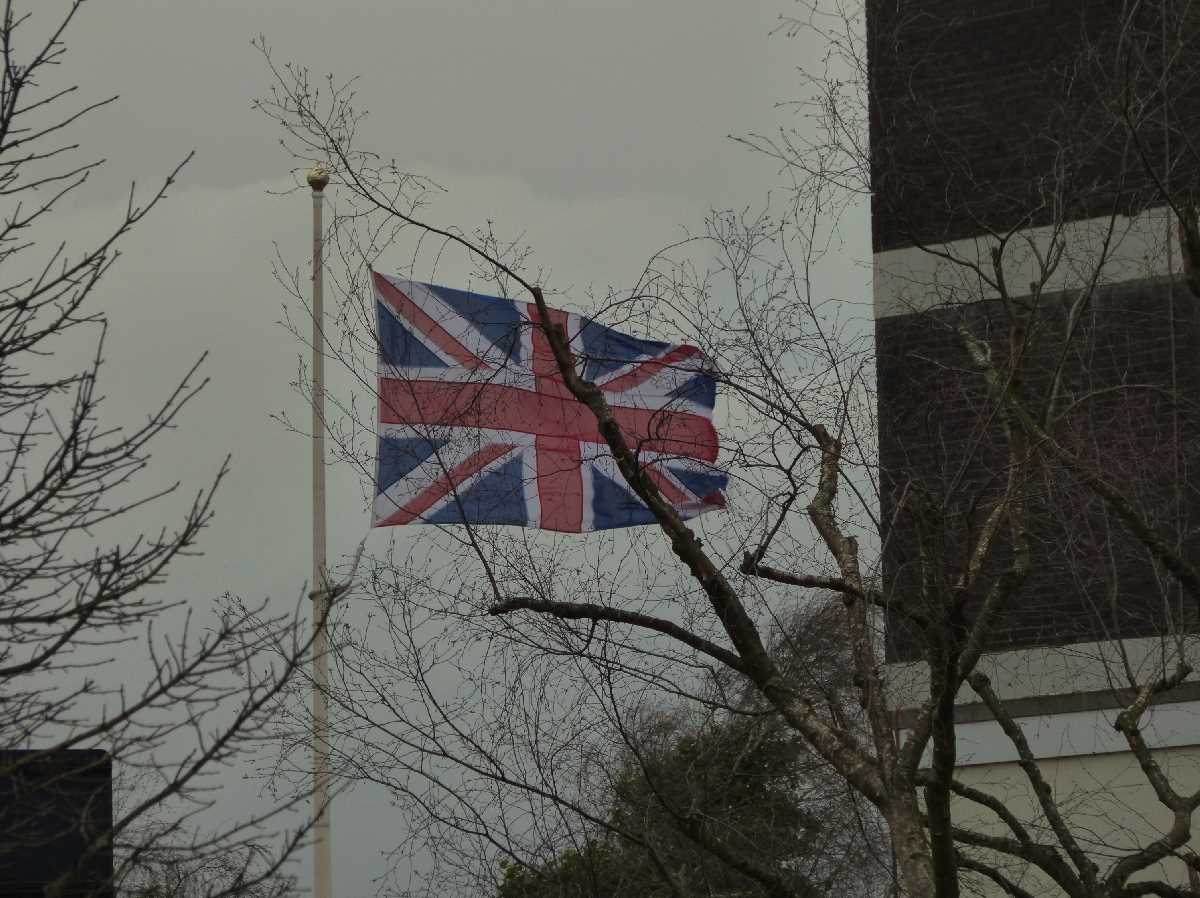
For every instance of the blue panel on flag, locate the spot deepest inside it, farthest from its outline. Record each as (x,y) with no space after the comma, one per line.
(607,350)
(614,506)
(702,483)
(496,498)
(400,457)
(497,319)
(399,347)
(55,821)
(701,389)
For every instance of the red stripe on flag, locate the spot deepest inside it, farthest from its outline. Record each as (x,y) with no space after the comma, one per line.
(647,370)
(498,407)
(717,499)
(670,491)
(398,300)
(545,368)
(560,484)
(421,503)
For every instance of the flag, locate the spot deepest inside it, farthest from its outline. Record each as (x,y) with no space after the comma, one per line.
(476,424)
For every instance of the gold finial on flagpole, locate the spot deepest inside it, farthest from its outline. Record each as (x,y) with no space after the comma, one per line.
(318,177)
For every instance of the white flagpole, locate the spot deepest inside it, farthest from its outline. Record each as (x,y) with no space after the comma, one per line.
(318,178)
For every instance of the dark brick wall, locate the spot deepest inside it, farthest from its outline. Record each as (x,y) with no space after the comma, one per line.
(994,113)
(944,448)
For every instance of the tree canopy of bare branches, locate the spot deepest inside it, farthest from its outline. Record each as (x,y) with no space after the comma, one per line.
(486,691)
(93,654)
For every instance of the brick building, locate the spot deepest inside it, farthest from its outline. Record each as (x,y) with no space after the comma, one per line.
(1025,158)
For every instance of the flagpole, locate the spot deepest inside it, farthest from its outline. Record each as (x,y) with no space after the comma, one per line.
(318,178)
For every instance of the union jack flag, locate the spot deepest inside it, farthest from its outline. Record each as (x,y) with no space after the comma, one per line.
(477,426)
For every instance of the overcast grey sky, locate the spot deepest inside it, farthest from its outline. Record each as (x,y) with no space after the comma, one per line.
(597,128)
(576,99)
